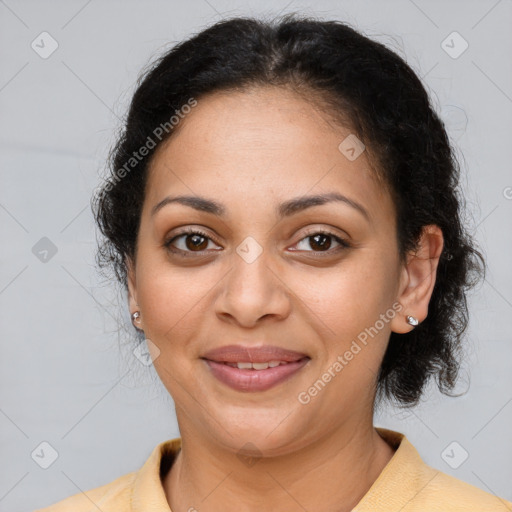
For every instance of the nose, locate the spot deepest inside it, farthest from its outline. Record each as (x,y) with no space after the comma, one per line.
(252,290)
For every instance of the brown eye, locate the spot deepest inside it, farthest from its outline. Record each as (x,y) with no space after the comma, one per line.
(196,241)
(321,241)
(190,241)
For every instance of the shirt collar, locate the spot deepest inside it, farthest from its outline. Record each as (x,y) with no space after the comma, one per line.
(148,492)
(401,480)
(405,466)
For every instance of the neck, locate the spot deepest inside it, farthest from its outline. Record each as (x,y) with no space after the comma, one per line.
(332,475)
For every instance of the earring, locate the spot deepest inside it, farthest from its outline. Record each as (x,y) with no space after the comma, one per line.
(136,316)
(411,320)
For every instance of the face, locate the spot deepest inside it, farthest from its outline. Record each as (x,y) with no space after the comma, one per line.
(311,279)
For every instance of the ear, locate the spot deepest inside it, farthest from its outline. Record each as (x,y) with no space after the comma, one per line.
(132,288)
(418,278)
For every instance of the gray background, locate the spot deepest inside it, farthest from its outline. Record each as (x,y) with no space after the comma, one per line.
(68,376)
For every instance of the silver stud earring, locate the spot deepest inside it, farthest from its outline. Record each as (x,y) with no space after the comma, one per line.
(411,320)
(136,316)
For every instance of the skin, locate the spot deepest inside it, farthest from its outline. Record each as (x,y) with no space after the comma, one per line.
(251,151)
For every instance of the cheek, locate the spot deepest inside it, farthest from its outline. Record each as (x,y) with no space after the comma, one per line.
(345,298)
(173,300)
(345,306)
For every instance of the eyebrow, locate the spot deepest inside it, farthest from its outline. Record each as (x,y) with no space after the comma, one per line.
(285,209)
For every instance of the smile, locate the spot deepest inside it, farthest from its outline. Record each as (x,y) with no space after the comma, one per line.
(256,366)
(253,377)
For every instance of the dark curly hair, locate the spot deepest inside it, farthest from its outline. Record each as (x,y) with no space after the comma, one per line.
(365,86)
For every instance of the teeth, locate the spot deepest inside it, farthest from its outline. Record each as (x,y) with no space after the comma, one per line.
(256,366)
(260,366)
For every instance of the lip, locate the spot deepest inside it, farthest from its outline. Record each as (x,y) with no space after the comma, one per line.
(261,354)
(250,380)
(254,380)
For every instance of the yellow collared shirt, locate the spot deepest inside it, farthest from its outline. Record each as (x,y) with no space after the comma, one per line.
(406,484)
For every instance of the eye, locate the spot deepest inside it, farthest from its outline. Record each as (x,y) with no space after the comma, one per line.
(319,241)
(194,241)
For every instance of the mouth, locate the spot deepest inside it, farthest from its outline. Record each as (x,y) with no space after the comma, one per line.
(245,365)
(252,369)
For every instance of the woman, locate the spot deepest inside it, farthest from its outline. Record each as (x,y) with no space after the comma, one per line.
(283,212)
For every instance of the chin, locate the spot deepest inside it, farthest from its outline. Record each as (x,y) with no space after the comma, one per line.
(266,433)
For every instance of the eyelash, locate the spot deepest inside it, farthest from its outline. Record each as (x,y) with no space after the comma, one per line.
(193,231)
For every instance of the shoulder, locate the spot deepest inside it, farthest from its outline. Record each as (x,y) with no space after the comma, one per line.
(116,493)
(447,493)
(408,484)
(138,487)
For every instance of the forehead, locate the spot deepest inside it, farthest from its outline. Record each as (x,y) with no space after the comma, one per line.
(266,142)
